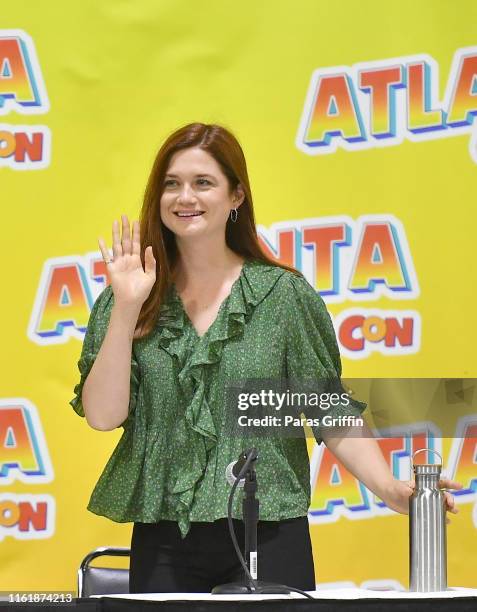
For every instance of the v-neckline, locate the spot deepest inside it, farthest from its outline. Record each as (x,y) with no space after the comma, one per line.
(219,311)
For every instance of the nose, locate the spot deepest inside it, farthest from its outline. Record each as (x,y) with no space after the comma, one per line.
(186,195)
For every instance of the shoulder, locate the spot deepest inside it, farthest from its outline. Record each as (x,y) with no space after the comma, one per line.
(299,302)
(295,288)
(289,291)
(258,280)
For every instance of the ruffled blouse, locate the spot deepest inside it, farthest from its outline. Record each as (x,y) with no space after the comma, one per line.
(171,460)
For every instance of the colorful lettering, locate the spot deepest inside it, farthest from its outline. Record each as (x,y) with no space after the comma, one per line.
(388,101)
(23,452)
(361,332)
(21,83)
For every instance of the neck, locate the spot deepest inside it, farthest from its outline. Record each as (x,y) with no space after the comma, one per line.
(203,263)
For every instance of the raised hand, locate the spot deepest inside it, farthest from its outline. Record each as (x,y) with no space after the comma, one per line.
(131,283)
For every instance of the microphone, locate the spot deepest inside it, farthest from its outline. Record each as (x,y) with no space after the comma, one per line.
(233,469)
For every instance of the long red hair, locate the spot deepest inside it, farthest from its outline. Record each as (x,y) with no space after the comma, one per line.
(240,236)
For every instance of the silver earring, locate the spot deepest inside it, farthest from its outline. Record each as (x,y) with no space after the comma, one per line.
(233,215)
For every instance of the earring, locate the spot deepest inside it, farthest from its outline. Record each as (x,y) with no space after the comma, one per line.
(233,215)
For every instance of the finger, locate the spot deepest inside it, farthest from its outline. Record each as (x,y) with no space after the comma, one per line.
(451,505)
(447,521)
(449,484)
(104,250)
(449,500)
(136,242)
(149,262)
(126,236)
(117,248)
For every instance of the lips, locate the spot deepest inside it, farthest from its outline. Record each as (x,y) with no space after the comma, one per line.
(193,213)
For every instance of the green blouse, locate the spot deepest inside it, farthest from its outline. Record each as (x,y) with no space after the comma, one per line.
(171,460)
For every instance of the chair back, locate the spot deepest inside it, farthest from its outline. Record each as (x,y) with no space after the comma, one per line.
(103,580)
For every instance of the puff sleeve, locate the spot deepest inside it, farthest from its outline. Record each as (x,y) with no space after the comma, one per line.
(97,327)
(312,353)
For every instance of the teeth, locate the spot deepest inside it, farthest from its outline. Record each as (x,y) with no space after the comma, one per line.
(194,214)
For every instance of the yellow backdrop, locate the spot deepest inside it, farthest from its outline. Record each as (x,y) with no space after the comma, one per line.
(357,124)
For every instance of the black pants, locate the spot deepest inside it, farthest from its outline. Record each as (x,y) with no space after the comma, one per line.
(163,562)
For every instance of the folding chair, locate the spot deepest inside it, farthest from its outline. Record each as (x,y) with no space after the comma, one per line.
(103,580)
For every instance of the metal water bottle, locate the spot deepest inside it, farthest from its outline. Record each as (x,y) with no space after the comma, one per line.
(427,530)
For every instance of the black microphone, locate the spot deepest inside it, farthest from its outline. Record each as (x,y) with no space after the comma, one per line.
(233,469)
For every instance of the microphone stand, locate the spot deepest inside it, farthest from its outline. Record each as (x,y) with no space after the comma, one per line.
(250,508)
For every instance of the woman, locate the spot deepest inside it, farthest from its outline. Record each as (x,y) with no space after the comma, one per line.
(193,305)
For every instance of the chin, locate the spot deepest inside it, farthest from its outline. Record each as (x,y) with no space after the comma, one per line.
(186,232)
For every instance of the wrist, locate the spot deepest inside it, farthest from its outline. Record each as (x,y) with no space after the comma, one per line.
(126,316)
(387,488)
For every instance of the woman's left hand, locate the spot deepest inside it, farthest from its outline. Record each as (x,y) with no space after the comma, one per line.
(397,495)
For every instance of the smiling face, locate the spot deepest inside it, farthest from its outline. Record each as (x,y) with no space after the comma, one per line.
(196,197)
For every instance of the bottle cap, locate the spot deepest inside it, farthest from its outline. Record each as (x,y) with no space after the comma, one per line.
(426,468)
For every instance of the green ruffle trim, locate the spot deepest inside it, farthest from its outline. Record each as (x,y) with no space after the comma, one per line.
(196,430)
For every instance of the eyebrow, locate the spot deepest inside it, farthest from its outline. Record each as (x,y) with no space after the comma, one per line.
(197,175)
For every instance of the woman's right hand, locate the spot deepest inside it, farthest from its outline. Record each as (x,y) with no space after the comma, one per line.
(131,283)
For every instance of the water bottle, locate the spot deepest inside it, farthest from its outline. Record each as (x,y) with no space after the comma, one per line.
(427,530)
